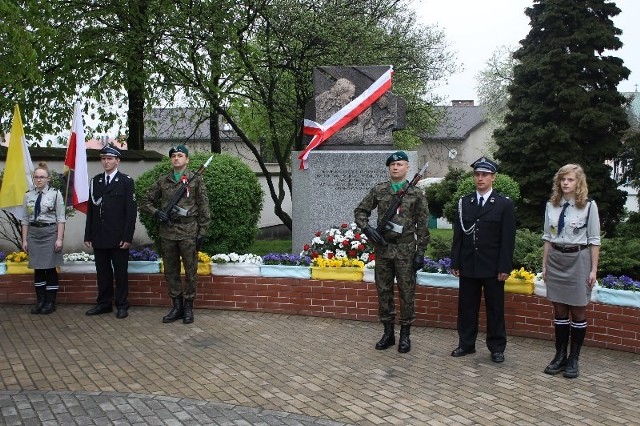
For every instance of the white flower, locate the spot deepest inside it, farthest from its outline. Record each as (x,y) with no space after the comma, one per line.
(317,240)
(370,265)
(78,257)
(236,258)
(341,253)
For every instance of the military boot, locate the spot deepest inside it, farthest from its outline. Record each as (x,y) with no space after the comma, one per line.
(388,338)
(559,362)
(404,345)
(176,312)
(188,311)
(40,299)
(572,370)
(50,302)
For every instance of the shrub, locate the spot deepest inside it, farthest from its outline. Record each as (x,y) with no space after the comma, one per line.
(503,184)
(619,256)
(235,201)
(440,246)
(528,251)
(440,193)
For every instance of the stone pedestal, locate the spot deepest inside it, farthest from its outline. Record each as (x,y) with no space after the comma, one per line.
(326,193)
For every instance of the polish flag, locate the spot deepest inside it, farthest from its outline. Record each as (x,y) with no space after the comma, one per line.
(75,165)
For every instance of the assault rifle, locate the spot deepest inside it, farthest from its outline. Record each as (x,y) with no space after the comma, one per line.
(386,224)
(172,206)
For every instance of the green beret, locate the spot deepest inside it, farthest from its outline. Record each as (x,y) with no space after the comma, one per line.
(397,156)
(180,148)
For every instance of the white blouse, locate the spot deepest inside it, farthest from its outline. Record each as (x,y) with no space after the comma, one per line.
(578,228)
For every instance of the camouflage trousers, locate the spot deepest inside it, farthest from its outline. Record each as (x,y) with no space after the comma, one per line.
(172,252)
(403,271)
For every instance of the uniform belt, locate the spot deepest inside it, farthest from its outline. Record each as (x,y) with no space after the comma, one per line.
(41,224)
(569,249)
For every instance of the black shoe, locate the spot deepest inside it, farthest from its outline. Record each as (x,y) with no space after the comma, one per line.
(497,357)
(97,310)
(458,352)
(122,313)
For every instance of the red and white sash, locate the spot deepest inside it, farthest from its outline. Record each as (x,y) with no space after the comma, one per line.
(322,132)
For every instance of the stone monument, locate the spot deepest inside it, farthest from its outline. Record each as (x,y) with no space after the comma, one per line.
(347,165)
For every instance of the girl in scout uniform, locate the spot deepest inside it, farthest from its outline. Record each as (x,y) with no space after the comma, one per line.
(570,262)
(42,233)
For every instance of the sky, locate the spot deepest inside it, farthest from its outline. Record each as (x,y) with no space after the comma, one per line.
(474,29)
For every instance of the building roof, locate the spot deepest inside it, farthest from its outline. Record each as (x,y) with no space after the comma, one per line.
(458,122)
(182,124)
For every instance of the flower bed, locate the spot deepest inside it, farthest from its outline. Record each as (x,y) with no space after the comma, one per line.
(234,264)
(78,263)
(621,291)
(18,263)
(520,281)
(285,265)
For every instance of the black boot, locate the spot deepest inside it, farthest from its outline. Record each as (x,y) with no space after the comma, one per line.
(404,345)
(50,302)
(558,363)
(188,311)
(388,338)
(176,312)
(572,370)
(40,299)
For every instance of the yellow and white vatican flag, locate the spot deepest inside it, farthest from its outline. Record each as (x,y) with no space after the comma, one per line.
(18,172)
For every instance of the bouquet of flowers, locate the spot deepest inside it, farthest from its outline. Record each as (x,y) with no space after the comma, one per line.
(78,257)
(442,266)
(285,259)
(344,241)
(17,256)
(622,282)
(236,258)
(337,262)
(147,254)
(522,274)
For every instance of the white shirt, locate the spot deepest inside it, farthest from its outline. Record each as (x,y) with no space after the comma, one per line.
(578,228)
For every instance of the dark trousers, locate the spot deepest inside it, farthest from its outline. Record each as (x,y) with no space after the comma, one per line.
(470,294)
(112,263)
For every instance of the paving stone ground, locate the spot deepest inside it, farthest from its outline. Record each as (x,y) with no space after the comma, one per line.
(247,368)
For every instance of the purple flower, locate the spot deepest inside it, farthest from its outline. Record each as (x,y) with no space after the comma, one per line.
(147,254)
(622,282)
(285,259)
(3,255)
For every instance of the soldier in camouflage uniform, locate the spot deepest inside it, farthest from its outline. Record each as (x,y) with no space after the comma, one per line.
(184,237)
(405,252)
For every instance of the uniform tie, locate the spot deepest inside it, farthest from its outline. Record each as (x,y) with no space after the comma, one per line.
(36,209)
(561,219)
(480,204)
(108,180)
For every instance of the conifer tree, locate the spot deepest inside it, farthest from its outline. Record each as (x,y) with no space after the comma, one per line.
(564,106)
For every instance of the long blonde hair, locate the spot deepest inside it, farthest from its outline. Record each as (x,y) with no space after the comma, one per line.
(582,191)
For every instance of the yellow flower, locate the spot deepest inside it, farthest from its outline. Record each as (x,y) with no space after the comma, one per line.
(522,274)
(203,257)
(17,256)
(342,262)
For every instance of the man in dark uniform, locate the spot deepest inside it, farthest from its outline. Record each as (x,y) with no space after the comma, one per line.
(482,254)
(181,232)
(111,221)
(404,254)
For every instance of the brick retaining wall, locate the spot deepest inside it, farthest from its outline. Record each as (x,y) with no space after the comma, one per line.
(613,327)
